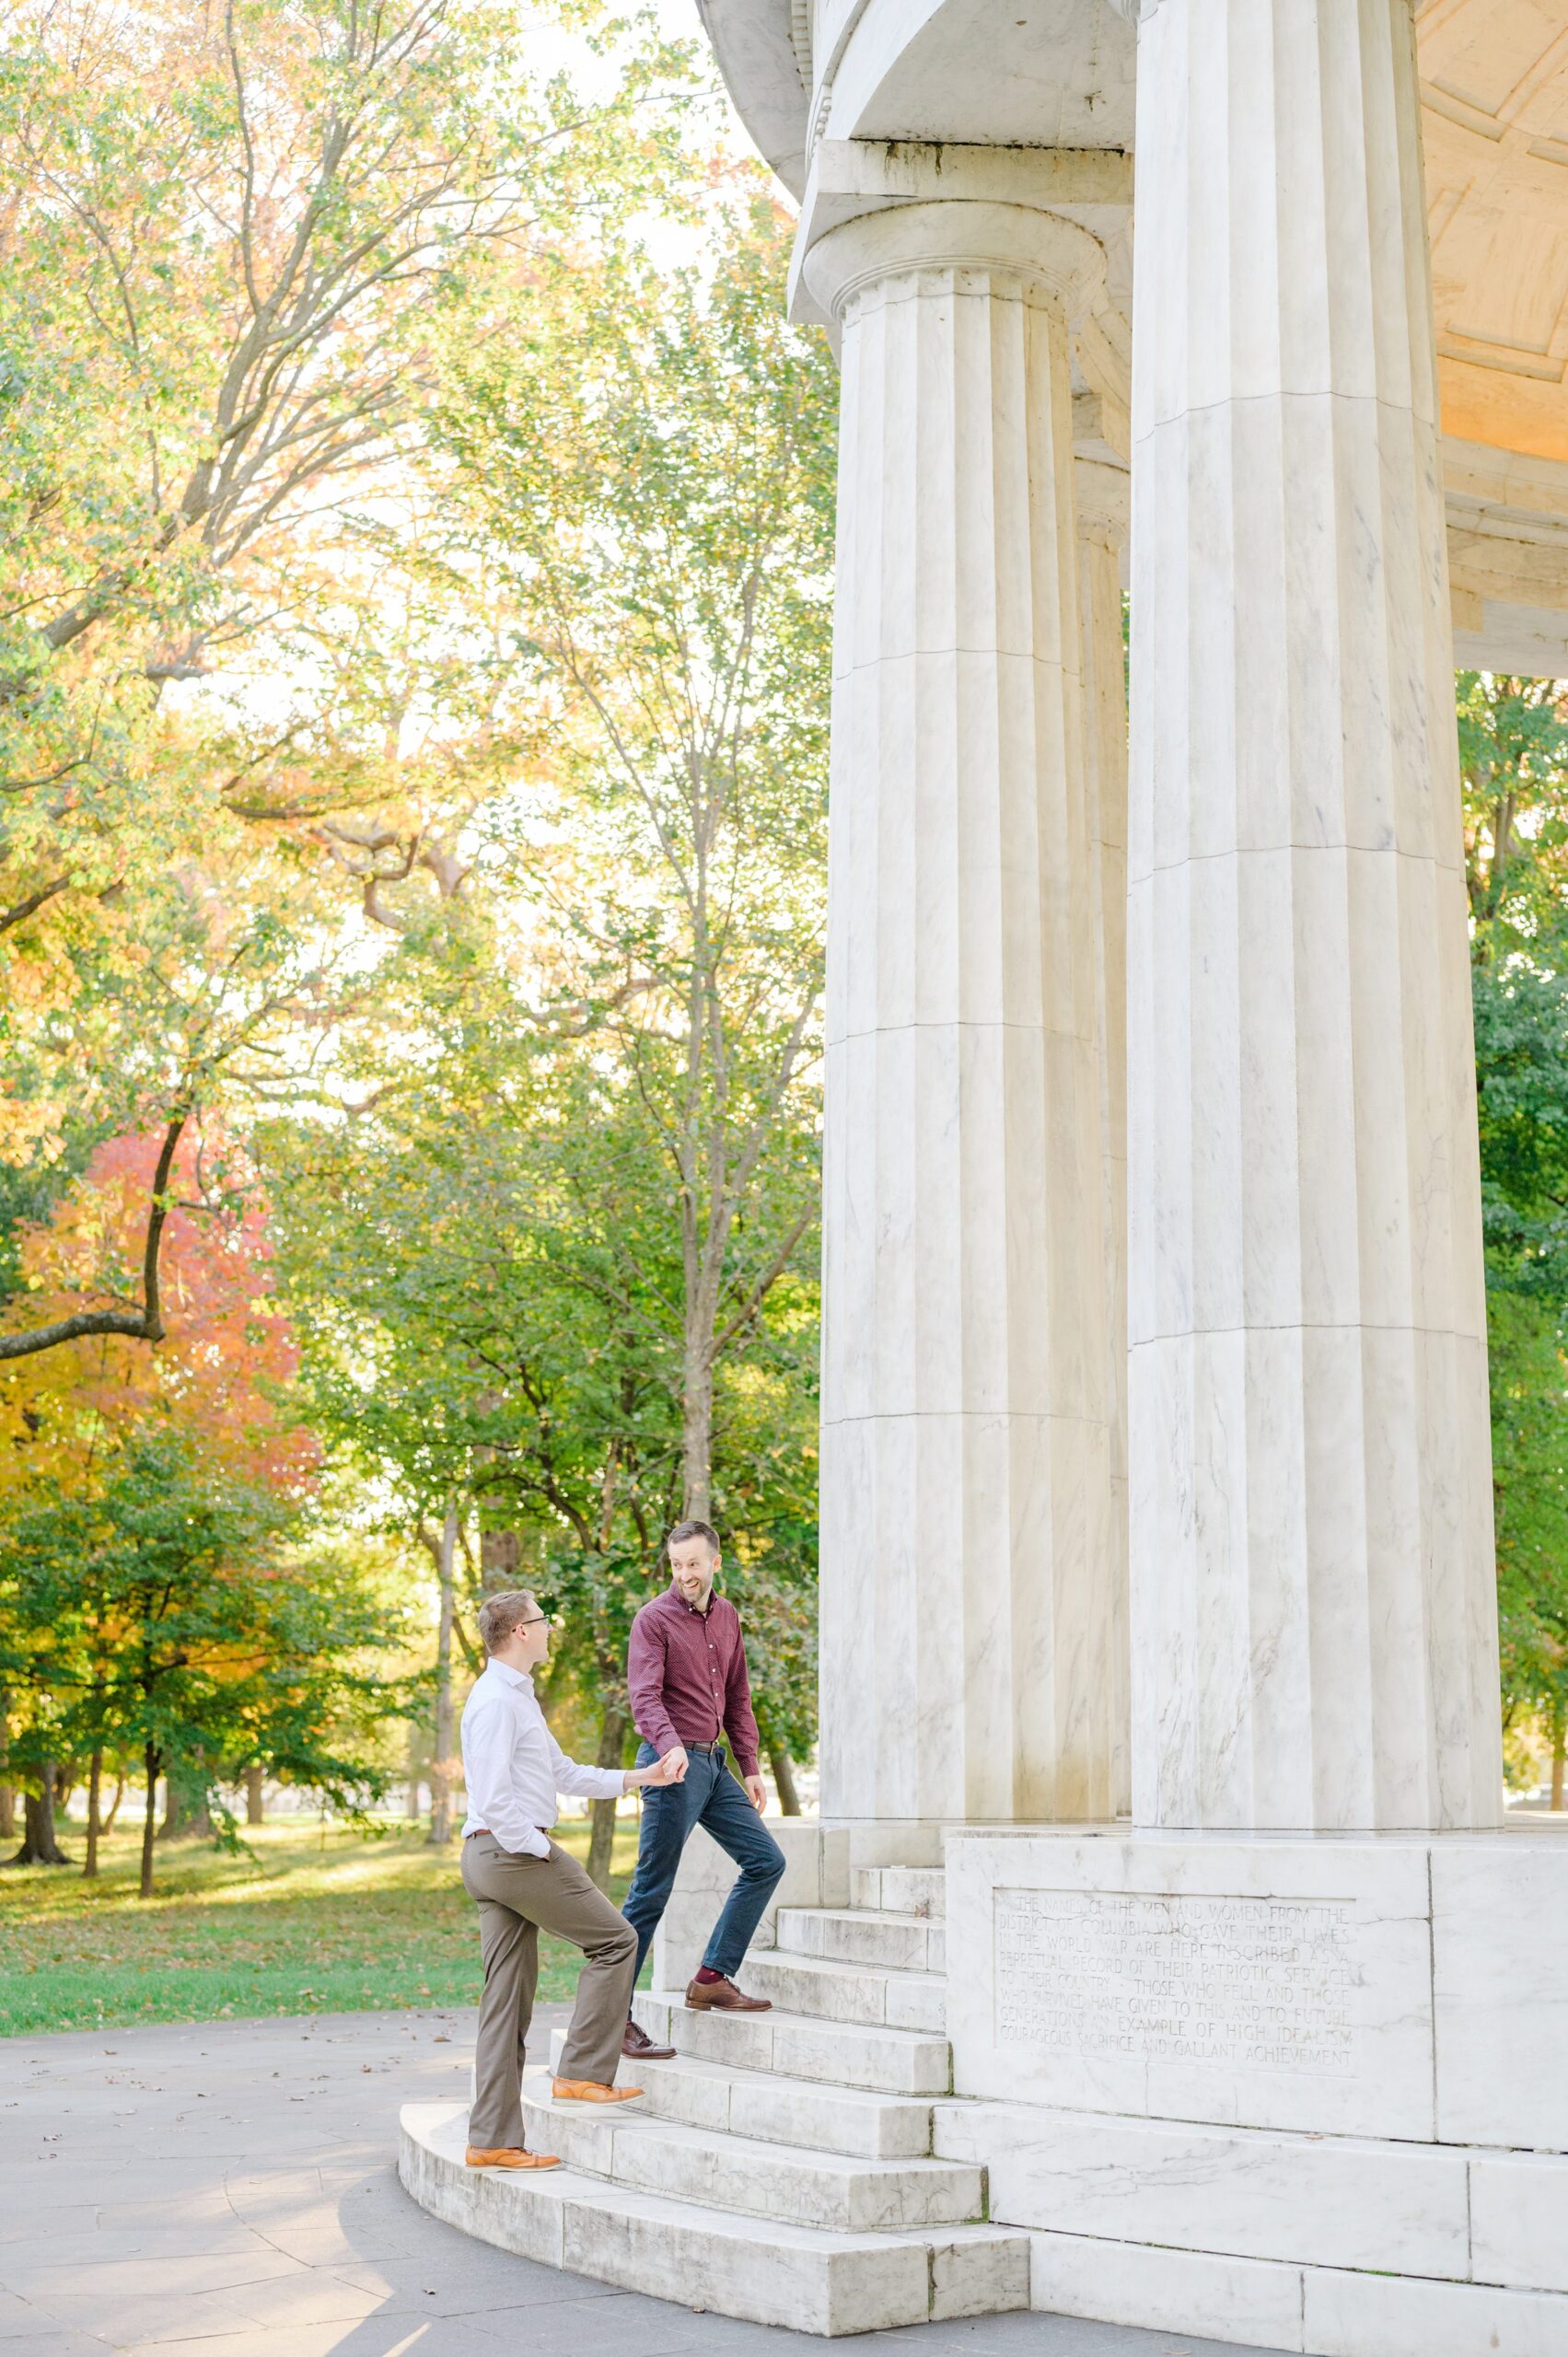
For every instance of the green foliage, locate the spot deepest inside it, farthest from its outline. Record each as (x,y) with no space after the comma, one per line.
(308,1917)
(151,1615)
(1514,747)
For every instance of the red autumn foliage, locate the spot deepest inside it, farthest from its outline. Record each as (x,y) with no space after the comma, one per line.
(224,1370)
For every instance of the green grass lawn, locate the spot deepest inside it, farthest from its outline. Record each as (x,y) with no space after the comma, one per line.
(314,1921)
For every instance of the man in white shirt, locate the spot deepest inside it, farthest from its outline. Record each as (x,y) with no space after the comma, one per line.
(520,1880)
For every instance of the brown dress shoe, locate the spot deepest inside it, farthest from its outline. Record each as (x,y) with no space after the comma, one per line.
(724,1997)
(509,2156)
(638,2047)
(589,2091)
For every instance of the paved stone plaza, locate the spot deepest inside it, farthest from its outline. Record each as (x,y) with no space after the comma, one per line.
(230,2186)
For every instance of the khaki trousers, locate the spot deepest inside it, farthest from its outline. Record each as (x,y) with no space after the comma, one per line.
(517,1896)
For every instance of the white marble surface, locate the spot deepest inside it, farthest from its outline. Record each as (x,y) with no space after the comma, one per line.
(1376,2316)
(854,1935)
(816,1875)
(1323,2200)
(1499,1967)
(966,1596)
(1364,1963)
(848,2193)
(1101,503)
(1314,1639)
(1247,2300)
(849,1992)
(768,2269)
(724,2099)
(894,2062)
(1519,2220)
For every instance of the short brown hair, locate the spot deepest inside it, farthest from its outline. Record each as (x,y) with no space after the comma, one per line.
(684,1530)
(500,1615)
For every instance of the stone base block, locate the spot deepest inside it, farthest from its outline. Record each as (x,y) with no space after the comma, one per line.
(1321,2312)
(1310,2093)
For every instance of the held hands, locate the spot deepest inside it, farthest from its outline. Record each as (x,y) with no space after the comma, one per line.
(667,1771)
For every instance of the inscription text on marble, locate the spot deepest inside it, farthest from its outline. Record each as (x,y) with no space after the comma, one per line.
(1257,1983)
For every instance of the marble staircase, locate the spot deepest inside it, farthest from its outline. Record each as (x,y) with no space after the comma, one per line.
(781,2167)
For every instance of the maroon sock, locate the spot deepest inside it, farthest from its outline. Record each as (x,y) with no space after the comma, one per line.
(706,1976)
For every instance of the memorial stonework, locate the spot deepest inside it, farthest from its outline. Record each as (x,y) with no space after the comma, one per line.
(1263,1983)
(1156,1455)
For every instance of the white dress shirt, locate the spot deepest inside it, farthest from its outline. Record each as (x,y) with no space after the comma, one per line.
(514,1767)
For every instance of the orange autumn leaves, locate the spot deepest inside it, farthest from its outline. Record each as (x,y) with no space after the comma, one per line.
(221,1377)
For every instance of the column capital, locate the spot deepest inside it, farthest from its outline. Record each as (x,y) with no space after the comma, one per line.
(1037,249)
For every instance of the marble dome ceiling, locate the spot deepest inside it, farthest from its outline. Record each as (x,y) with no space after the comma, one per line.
(1058,73)
(1494,83)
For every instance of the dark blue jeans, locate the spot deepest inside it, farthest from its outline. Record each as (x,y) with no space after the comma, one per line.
(710,1798)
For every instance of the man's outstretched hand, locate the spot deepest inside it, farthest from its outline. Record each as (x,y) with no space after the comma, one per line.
(756,1793)
(667,1771)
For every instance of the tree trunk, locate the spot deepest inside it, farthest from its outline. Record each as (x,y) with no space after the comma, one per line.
(173,1810)
(1558,1758)
(500,1560)
(7,1790)
(39,1846)
(95,1794)
(114,1804)
(782,1767)
(255,1812)
(697,1432)
(601,1839)
(441,1766)
(149,1822)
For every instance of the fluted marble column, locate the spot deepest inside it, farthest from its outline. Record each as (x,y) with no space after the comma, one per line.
(965,1491)
(1314,1632)
(1101,498)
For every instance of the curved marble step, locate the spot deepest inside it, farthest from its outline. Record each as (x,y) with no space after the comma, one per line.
(902,1890)
(863,1935)
(766,2271)
(627,2146)
(726,2100)
(798,2046)
(836,1991)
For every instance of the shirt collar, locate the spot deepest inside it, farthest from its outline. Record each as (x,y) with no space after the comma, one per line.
(510,1677)
(673,1596)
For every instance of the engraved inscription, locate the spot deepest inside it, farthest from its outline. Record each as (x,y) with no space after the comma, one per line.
(1260,1983)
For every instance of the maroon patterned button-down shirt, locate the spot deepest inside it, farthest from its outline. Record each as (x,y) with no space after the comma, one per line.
(686,1671)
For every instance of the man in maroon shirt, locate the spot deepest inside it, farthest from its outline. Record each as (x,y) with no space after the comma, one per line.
(686,1670)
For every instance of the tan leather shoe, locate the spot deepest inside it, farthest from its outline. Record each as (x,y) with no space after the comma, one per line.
(724,1997)
(507,2156)
(589,2091)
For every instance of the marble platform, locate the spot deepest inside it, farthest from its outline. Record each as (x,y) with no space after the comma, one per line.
(781,2168)
(1309,2093)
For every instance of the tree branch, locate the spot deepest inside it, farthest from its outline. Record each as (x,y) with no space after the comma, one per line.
(141,1326)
